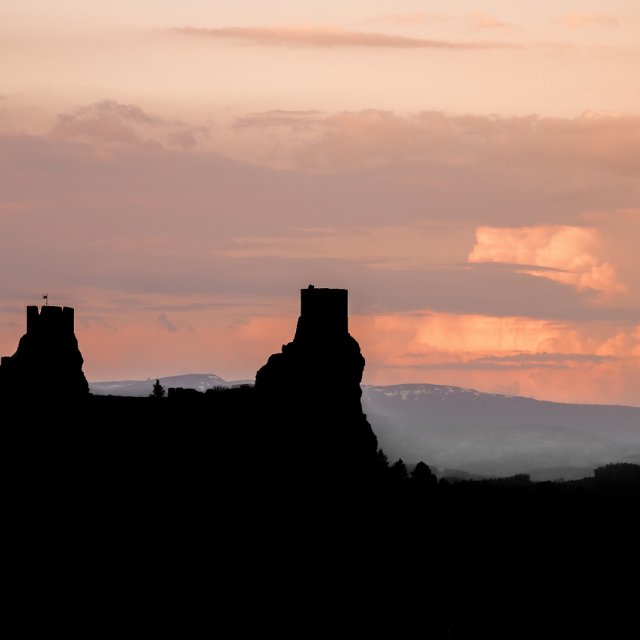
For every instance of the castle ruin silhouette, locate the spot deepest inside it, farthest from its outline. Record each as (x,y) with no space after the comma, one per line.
(323,311)
(311,393)
(305,408)
(48,360)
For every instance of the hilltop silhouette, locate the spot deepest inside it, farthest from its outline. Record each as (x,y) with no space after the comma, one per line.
(279,497)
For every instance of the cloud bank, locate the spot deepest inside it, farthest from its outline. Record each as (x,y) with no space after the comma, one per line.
(481,251)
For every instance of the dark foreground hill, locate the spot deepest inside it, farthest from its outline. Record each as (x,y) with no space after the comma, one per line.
(459,431)
(184,512)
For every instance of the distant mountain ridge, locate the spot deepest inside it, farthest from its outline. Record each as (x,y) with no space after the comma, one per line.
(141,388)
(466,430)
(491,434)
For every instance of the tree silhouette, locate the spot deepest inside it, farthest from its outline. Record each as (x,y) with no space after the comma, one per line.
(618,473)
(398,470)
(381,460)
(423,474)
(158,390)
(381,466)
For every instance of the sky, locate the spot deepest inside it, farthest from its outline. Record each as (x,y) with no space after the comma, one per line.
(470,171)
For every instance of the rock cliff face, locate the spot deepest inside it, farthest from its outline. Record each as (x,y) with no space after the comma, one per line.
(310,392)
(48,361)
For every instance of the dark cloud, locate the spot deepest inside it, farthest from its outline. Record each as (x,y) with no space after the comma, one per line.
(280,118)
(165,323)
(111,122)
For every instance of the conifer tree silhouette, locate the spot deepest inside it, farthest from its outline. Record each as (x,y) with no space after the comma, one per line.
(158,390)
(398,470)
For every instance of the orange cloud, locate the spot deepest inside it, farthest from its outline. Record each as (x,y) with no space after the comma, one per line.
(329,37)
(524,356)
(568,255)
(485,21)
(579,20)
(431,338)
(622,344)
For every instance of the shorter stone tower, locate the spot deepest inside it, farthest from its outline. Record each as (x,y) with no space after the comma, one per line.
(48,360)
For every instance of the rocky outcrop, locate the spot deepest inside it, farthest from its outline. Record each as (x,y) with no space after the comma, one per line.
(309,394)
(48,361)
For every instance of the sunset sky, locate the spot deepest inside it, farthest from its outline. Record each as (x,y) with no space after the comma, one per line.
(470,171)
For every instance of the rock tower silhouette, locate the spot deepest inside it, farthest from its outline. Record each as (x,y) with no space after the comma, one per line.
(310,392)
(48,361)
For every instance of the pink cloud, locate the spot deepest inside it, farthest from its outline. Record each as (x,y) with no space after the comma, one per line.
(475,21)
(373,137)
(418,18)
(579,20)
(324,37)
(487,22)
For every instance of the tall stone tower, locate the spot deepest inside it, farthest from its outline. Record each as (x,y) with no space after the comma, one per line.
(310,392)
(323,312)
(48,360)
